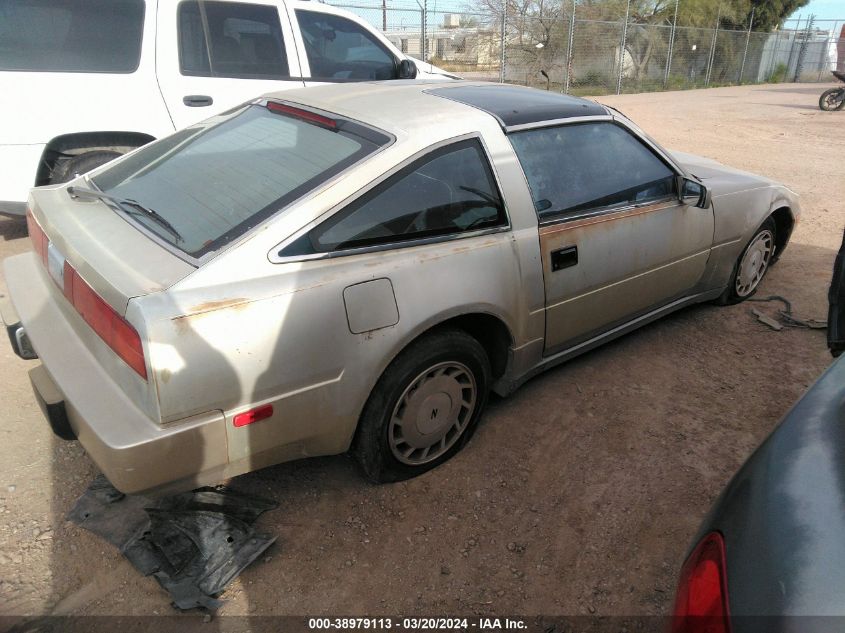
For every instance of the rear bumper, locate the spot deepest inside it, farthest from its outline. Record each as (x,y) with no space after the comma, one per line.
(133,451)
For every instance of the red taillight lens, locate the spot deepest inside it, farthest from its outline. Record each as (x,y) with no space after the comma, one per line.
(108,324)
(37,236)
(701,604)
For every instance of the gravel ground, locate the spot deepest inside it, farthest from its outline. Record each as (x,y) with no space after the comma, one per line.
(578,495)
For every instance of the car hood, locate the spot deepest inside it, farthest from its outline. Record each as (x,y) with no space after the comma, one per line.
(720,178)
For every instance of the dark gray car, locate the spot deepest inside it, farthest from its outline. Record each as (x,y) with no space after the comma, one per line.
(770,556)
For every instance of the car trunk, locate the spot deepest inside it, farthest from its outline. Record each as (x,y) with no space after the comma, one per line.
(116,259)
(118,262)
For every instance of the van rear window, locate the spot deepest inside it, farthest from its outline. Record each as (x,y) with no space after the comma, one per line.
(210,183)
(97,36)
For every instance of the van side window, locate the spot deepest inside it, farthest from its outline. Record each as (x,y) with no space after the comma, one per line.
(245,40)
(339,49)
(447,192)
(94,36)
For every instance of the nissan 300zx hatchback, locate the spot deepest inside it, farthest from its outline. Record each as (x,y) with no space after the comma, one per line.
(356,267)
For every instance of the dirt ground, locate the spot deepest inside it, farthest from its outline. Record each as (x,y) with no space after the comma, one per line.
(578,495)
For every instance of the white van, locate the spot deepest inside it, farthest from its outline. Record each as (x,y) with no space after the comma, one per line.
(83,81)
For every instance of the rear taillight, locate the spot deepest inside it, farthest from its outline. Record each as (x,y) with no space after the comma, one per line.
(701,604)
(115,331)
(108,324)
(37,236)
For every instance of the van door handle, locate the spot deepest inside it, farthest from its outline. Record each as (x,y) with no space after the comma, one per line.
(197,101)
(564,257)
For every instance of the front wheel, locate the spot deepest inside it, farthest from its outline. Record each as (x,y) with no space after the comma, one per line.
(424,408)
(81,164)
(833,99)
(752,265)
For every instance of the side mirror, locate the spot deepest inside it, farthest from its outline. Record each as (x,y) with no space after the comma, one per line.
(407,69)
(694,193)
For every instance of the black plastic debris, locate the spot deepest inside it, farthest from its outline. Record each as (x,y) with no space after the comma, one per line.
(193,543)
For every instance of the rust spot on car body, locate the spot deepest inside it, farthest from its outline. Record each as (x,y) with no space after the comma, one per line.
(181,322)
(211,306)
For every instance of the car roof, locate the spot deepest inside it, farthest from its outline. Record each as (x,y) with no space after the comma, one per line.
(515,105)
(433,107)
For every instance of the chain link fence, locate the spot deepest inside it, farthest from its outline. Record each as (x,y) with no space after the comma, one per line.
(563,52)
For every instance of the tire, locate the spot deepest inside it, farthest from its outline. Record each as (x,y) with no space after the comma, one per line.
(400,418)
(752,265)
(832,99)
(81,164)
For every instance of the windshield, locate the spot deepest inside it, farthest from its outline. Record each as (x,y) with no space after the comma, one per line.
(214,181)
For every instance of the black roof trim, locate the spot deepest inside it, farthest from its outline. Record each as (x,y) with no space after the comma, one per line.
(515,105)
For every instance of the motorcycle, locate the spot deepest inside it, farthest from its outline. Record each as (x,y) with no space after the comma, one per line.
(833,99)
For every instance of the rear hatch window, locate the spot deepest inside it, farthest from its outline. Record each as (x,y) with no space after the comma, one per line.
(204,186)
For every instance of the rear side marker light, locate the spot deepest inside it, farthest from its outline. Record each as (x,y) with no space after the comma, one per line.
(299,113)
(253,415)
(701,603)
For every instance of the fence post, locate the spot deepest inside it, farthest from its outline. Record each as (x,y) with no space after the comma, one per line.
(423,35)
(713,48)
(622,48)
(802,50)
(822,62)
(747,40)
(773,58)
(569,49)
(502,45)
(671,47)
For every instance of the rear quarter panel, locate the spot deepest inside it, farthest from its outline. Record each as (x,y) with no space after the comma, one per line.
(244,331)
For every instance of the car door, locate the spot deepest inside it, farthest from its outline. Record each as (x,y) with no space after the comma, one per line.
(616,242)
(213,55)
(337,48)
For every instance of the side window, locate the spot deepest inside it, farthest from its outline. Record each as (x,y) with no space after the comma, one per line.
(449,191)
(231,39)
(340,49)
(583,166)
(94,36)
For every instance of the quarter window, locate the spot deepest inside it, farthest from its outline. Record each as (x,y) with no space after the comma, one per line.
(449,191)
(231,39)
(339,49)
(584,166)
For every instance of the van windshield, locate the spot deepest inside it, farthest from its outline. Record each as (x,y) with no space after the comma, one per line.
(214,181)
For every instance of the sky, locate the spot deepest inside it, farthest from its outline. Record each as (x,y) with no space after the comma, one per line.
(824,10)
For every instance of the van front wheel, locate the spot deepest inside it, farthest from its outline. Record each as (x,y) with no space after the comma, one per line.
(81,164)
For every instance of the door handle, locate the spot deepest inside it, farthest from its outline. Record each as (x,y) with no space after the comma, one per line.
(197,101)
(564,257)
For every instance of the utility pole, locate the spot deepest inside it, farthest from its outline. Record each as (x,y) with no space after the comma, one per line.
(384,15)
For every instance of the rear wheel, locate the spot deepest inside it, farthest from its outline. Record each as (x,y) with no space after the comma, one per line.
(752,265)
(833,99)
(424,408)
(81,164)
